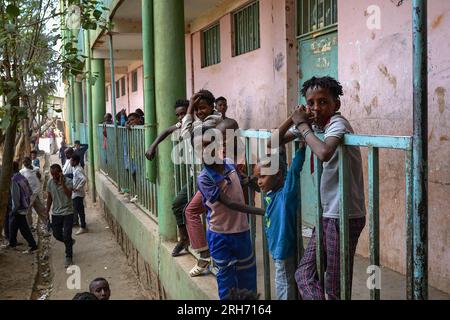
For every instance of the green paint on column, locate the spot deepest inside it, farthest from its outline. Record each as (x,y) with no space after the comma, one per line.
(68,115)
(170,85)
(72,110)
(149,83)
(98,104)
(91,128)
(77,107)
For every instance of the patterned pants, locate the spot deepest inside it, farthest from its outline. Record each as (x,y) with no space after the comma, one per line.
(306,275)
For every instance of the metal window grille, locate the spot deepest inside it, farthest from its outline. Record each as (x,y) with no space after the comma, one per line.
(246,29)
(117,88)
(134,81)
(211,46)
(314,15)
(122,84)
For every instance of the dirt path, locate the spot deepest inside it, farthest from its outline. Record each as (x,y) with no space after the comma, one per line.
(97,254)
(18,273)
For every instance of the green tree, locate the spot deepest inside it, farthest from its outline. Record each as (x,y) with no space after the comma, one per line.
(30,68)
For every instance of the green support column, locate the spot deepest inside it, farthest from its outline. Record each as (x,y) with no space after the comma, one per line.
(98,104)
(149,83)
(91,128)
(72,108)
(69,115)
(78,108)
(170,85)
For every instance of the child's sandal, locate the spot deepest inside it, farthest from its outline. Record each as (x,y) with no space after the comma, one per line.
(197,270)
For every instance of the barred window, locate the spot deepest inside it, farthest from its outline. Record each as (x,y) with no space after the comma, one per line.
(134,81)
(122,84)
(211,46)
(246,29)
(117,88)
(313,15)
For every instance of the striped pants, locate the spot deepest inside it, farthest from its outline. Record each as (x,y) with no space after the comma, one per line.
(306,275)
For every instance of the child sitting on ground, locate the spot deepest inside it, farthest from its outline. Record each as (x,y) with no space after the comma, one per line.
(228,232)
(323,102)
(282,201)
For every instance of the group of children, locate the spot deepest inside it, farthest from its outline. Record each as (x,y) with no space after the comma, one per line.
(221,195)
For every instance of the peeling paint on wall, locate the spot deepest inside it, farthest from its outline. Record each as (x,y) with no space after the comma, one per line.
(437,22)
(384,70)
(440,94)
(278,62)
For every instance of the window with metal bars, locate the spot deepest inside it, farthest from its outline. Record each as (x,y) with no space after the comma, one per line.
(314,15)
(246,29)
(211,46)
(122,84)
(117,88)
(134,81)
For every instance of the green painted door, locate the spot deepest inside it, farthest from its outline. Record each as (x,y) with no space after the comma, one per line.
(318,56)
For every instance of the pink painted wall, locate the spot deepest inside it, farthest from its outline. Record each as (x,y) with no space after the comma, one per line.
(254,83)
(137,97)
(375,68)
(131,100)
(108,102)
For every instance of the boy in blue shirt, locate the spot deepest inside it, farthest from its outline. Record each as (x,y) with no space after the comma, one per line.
(228,232)
(282,200)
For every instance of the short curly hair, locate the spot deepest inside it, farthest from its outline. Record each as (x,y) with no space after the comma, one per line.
(207,96)
(329,83)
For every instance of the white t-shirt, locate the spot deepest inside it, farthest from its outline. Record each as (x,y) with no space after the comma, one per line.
(67,169)
(33,180)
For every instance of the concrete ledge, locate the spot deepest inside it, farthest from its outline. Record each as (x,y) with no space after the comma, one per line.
(166,277)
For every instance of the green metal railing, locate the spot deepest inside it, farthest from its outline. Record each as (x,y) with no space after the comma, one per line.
(255,142)
(131,178)
(130,160)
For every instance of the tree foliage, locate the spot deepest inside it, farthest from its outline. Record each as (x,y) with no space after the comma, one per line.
(37,49)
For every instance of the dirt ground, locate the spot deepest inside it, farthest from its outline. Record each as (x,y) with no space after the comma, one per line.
(42,275)
(97,254)
(18,273)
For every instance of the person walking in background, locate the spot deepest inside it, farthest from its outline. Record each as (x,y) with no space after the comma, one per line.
(62,150)
(78,194)
(33,176)
(18,204)
(34,159)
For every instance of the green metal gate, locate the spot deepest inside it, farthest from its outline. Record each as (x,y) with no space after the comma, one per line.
(318,56)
